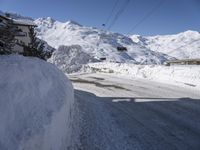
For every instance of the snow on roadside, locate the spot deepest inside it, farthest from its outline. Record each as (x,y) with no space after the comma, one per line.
(183,75)
(36,105)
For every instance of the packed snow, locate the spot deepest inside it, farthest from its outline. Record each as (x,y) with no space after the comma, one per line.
(36,104)
(95,42)
(180,46)
(177,74)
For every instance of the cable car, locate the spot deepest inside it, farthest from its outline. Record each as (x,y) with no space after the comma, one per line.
(121,48)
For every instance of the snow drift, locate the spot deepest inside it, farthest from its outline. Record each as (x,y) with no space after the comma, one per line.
(70,58)
(36,104)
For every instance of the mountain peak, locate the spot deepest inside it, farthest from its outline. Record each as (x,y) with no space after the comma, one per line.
(190,33)
(72,22)
(46,21)
(50,19)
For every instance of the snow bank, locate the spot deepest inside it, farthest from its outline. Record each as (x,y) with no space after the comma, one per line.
(185,75)
(70,58)
(36,102)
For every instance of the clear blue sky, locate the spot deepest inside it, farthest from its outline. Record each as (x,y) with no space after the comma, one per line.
(172,16)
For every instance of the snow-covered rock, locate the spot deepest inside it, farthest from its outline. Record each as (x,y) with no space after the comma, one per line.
(70,58)
(95,42)
(47,47)
(182,45)
(36,105)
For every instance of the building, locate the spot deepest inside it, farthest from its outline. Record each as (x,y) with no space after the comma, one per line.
(183,62)
(22,36)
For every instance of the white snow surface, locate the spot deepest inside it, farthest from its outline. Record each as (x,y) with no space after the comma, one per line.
(182,45)
(24,21)
(188,76)
(97,43)
(36,101)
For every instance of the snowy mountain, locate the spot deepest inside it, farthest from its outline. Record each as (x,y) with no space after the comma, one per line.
(95,42)
(182,45)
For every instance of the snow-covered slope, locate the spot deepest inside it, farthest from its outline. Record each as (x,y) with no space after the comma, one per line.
(70,58)
(97,43)
(36,102)
(182,45)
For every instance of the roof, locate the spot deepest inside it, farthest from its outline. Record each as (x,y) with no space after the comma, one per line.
(2,15)
(24,22)
(183,60)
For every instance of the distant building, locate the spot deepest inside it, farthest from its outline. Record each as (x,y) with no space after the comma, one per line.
(24,28)
(183,62)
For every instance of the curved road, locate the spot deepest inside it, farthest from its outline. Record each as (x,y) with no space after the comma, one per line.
(132,114)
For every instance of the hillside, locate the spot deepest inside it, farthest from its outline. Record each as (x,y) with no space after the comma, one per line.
(182,45)
(97,43)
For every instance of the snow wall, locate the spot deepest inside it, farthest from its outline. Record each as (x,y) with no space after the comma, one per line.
(36,105)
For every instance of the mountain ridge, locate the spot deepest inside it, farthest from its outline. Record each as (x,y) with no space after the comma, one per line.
(101,43)
(96,42)
(182,45)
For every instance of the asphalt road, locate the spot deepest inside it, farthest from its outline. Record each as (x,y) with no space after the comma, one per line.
(117,113)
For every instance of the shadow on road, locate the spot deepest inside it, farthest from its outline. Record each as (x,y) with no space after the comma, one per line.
(147,122)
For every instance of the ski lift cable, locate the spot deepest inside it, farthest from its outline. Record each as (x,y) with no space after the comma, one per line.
(159,4)
(118,14)
(111,13)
